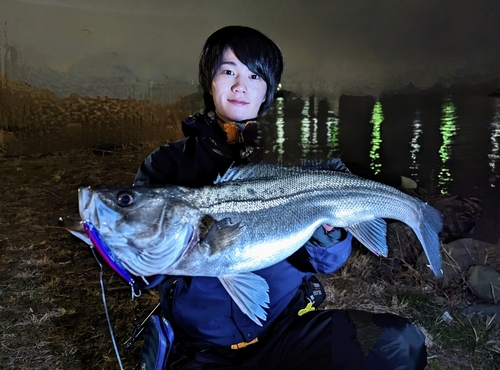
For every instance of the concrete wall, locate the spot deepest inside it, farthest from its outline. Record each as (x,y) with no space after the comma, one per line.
(36,121)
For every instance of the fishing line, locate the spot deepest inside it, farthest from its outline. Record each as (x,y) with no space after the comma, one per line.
(103,294)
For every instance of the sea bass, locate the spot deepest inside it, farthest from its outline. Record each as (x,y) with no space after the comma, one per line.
(251,218)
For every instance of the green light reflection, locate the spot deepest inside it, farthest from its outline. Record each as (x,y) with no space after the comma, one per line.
(280,128)
(376,121)
(448,129)
(308,132)
(494,156)
(332,134)
(415,146)
(305,130)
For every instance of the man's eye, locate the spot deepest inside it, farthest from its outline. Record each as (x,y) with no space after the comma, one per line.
(227,72)
(254,77)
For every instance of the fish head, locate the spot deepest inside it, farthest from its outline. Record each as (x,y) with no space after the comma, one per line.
(146,228)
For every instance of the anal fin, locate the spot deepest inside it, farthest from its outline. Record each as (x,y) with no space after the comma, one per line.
(250,292)
(372,234)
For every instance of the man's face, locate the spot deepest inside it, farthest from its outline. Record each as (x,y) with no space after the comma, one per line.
(237,92)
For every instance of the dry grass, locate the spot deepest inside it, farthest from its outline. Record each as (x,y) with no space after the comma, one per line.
(52,316)
(51,312)
(462,343)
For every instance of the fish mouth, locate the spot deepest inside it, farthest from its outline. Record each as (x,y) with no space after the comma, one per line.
(82,227)
(71,222)
(74,224)
(85,196)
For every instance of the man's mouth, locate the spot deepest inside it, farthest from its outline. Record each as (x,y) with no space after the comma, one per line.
(238,102)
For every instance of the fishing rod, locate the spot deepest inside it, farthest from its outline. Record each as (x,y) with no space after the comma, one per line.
(139,329)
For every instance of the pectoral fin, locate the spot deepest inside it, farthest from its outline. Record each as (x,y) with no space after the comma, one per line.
(222,235)
(372,234)
(250,292)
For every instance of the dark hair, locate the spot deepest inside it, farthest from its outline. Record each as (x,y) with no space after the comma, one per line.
(254,49)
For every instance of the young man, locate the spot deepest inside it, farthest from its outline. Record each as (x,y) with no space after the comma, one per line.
(239,70)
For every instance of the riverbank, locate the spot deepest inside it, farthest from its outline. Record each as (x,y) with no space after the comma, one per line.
(51,310)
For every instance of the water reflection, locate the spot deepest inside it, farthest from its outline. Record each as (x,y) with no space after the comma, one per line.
(376,141)
(427,123)
(415,146)
(447,129)
(308,131)
(278,146)
(494,156)
(305,130)
(332,134)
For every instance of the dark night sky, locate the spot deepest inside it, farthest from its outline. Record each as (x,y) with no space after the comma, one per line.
(329,45)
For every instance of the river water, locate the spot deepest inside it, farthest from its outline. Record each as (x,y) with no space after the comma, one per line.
(447,141)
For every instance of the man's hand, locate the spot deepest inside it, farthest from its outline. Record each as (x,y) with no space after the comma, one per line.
(326,236)
(328,228)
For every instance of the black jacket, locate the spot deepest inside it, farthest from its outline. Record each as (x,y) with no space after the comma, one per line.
(200,305)
(197,159)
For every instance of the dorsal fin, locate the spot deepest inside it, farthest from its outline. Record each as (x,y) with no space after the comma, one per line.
(235,173)
(332,164)
(264,170)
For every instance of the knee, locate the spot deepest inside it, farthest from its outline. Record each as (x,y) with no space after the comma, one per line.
(401,345)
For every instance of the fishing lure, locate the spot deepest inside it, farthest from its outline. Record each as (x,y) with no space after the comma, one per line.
(105,252)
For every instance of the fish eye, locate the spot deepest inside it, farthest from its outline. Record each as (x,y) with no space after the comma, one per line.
(124,199)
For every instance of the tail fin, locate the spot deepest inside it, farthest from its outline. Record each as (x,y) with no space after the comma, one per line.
(428,234)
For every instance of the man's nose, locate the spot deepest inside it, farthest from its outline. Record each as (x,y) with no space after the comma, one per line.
(239,86)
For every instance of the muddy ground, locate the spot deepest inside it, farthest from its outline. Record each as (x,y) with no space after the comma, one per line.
(51,310)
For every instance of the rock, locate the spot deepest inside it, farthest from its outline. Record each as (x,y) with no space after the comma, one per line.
(408,183)
(484,281)
(459,216)
(461,254)
(491,310)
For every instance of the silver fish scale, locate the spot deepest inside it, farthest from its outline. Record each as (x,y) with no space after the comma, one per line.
(262,217)
(280,214)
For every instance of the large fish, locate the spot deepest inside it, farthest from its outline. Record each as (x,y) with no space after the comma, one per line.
(253,217)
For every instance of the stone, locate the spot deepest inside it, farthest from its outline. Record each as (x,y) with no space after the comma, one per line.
(484,281)
(461,254)
(485,309)
(460,215)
